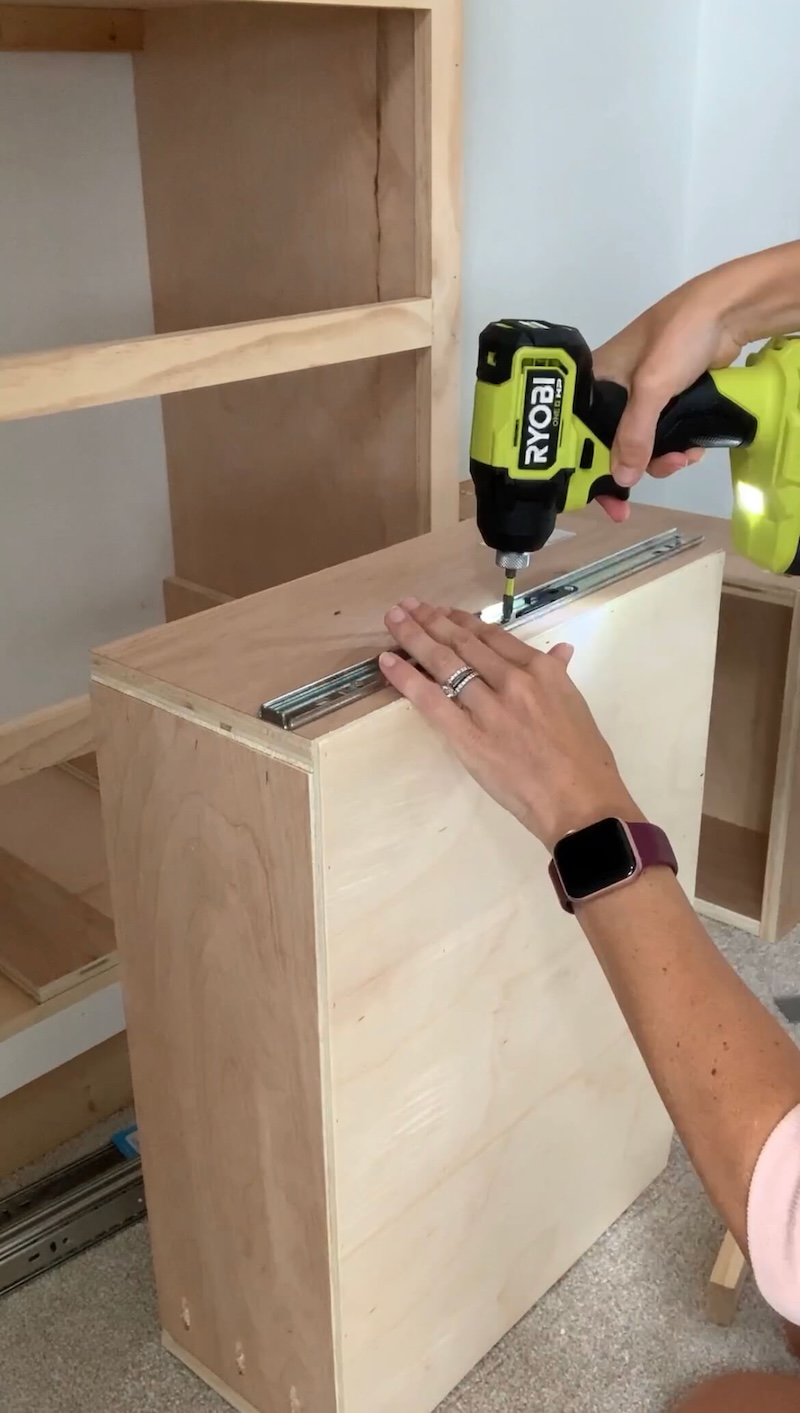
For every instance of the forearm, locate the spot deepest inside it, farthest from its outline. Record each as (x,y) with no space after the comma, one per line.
(757,296)
(725,1069)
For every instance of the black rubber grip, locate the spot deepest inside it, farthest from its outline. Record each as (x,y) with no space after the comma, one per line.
(699,417)
(607,486)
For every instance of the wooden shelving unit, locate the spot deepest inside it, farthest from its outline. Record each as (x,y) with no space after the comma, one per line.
(300,164)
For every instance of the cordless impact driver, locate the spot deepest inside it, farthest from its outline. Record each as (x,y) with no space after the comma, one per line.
(543,427)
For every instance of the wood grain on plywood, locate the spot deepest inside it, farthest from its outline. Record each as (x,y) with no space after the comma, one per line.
(64,1103)
(43,738)
(67,29)
(271,480)
(50,940)
(269,643)
(221,992)
(477,1053)
(91,375)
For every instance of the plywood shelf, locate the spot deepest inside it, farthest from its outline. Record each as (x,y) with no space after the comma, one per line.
(731,873)
(63,380)
(51,822)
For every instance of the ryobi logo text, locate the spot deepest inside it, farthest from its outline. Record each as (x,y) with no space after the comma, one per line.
(541,420)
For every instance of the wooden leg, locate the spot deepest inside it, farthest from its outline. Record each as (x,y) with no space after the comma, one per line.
(727,1280)
(744,1393)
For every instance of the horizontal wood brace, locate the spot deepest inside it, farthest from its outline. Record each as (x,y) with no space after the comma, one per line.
(44,738)
(91,375)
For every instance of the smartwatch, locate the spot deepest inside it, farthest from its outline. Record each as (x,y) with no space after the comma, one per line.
(589,862)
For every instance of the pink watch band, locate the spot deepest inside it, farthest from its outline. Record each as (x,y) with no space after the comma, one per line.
(652,848)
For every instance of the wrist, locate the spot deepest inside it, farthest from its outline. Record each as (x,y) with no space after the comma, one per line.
(580,814)
(758,296)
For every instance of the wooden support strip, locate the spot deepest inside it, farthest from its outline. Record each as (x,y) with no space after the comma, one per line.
(90,375)
(727,1279)
(45,738)
(83,768)
(183,598)
(64,29)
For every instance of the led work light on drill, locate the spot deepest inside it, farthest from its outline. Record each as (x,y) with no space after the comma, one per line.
(543,427)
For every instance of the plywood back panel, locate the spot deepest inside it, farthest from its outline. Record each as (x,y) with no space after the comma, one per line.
(280,477)
(262,156)
(492,1113)
(280,177)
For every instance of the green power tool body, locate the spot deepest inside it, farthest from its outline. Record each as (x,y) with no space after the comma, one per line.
(543,426)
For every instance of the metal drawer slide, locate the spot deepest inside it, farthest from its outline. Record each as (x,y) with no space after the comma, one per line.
(339,689)
(52,1220)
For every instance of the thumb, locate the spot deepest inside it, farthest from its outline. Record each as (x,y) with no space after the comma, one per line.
(632,451)
(562,652)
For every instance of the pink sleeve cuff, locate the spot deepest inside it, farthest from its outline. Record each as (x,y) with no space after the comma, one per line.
(773,1219)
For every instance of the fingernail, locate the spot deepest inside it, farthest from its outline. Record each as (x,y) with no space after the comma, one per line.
(625,476)
(396,614)
(387,660)
(410,604)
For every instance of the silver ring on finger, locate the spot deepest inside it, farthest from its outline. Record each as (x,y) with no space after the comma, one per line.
(457,681)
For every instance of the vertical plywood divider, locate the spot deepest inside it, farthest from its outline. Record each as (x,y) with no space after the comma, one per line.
(286,169)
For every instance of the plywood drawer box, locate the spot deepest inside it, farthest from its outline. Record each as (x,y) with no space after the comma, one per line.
(386,1098)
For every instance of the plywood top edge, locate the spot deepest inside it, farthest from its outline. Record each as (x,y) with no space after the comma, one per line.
(256,648)
(235,726)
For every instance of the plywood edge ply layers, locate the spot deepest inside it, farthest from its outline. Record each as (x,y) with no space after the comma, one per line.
(363,947)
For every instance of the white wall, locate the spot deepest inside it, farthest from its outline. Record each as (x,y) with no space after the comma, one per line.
(84,526)
(577,129)
(743,192)
(612,150)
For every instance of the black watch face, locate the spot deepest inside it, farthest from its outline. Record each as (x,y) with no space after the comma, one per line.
(595,858)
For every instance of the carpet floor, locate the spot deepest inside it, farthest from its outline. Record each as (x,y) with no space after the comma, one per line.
(624,1332)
